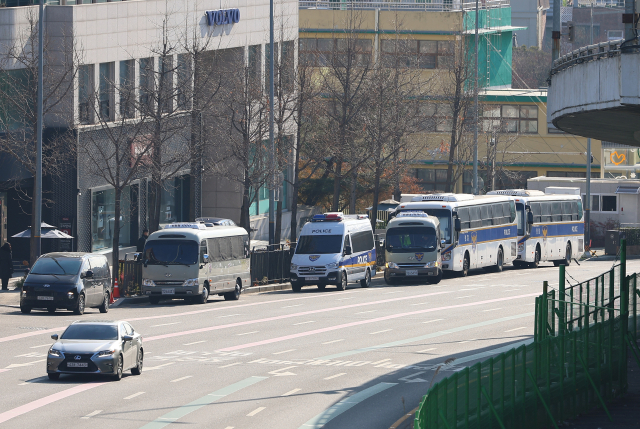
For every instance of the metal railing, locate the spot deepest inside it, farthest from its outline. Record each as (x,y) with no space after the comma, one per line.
(271,264)
(417,5)
(130,275)
(586,54)
(578,360)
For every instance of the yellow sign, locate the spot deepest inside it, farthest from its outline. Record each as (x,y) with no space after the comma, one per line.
(617,158)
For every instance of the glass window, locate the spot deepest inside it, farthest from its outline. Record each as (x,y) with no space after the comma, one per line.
(428,47)
(56,266)
(444,216)
(529,112)
(184,81)
(103,219)
(567,210)
(127,88)
(411,239)
(87,331)
(491,111)
(362,241)
(476,217)
(165,84)
(520,218)
(171,252)
(509,111)
(105,87)
(487,219)
(145,86)
(319,244)
(85,94)
(497,214)
(609,203)
(537,212)
(465,219)
(546,212)
(556,211)
(203,250)
(174,200)
(595,203)
(530,127)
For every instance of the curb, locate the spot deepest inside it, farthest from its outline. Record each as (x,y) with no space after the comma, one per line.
(248,290)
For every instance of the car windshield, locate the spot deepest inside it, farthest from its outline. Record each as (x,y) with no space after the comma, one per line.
(410,239)
(171,252)
(57,266)
(90,332)
(319,244)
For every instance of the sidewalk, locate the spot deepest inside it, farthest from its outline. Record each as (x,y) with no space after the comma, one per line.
(11,297)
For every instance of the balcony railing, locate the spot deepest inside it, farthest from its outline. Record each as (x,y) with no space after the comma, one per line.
(415,5)
(587,53)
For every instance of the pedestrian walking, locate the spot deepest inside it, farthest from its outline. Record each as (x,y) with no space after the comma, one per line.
(142,240)
(6,265)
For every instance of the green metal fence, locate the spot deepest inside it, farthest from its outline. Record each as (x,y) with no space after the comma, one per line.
(576,361)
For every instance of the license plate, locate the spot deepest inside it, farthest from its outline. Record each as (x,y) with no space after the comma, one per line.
(45,298)
(312,278)
(412,272)
(171,291)
(77,365)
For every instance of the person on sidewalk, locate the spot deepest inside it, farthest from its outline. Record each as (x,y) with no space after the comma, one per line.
(142,240)
(6,265)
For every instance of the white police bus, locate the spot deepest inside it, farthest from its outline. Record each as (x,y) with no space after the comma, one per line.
(550,225)
(478,231)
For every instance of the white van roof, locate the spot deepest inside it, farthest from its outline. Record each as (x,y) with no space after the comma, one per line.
(196,231)
(336,224)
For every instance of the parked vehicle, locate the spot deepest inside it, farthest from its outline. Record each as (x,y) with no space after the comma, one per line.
(479,231)
(73,281)
(105,348)
(334,249)
(550,225)
(412,248)
(193,260)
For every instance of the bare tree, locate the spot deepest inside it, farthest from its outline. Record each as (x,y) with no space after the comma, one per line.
(18,98)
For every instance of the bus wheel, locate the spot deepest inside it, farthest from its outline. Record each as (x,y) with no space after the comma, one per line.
(499,260)
(436,280)
(465,266)
(536,258)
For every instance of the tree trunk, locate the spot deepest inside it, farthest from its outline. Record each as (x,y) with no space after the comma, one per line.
(294,197)
(353,195)
(376,196)
(33,254)
(244,210)
(155,191)
(337,183)
(278,231)
(115,257)
(196,158)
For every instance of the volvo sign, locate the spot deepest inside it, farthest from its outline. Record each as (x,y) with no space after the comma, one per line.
(223,16)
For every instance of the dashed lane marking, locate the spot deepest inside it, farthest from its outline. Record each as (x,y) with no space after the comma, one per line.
(420,303)
(230,315)
(334,341)
(290,306)
(426,350)
(284,351)
(247,333)
(516,329)
(256,411)
(159,366)
(41,345)
(380,332)
(291,392)
(467,341)
(134,395)
(304,323)
(466,296)
(195,342)
(493,309)
(336,376)
(181,378)
(368,311)
(164,324)
(231,364)
(434,320)
(95,413)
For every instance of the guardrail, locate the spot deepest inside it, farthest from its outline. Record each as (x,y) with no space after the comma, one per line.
(586,54)
(427,6)
(578,360)
(271,264)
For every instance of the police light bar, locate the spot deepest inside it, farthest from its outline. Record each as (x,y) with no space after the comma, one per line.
(412,213)
(328,217)
(186,225)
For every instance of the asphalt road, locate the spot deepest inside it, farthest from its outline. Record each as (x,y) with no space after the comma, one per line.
(361,358)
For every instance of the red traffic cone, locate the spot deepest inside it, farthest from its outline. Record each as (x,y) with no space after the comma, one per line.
(111,300)
(116,289)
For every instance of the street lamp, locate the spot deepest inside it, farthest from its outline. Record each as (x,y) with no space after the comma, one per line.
(37,197)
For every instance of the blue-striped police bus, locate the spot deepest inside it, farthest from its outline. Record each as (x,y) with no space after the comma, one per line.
(478,231)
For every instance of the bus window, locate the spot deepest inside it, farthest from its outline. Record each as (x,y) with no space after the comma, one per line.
(537,212)
(520,218)
(497,214)
(512,211)
(487,219)
(444,216)
(566,211)
(203,250)
(556,211)
(476,217)
(546,212)
(465,220)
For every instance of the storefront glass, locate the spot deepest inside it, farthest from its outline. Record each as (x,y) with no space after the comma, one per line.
(174,201)
(103,219)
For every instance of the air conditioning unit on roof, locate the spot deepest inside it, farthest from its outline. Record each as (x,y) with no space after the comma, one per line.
(448,197)
(516,192)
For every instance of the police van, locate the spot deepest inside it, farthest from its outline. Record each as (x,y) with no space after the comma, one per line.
(412,248)
(334,249)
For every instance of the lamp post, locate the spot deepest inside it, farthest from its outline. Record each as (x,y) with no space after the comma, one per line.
(475,112)
(37,197)
(271,142)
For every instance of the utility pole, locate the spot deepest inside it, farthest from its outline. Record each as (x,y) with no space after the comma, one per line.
(272,157)
(587,205)
(555,34)
(37,197)
(475,112)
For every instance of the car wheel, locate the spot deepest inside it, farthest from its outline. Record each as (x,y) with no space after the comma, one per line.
(51,309)
(343,282)
(117,376)
(235,295)
(137,370)
(499,260)
(296,286)
(79,310)
(322,287)
(104,307)
(366,282)
(536,258)
(154,300)
(25,310)
(466,263)
(437,279)
(388,280)
(204,296)
(53,376)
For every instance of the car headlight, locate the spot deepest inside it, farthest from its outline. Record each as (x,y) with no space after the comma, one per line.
(432,264)
(148,282)
(294,267)
(190,282)
(71,294)
(446,256)
(392,265)
(54,352)
(332,265)
(520,247)
(106,353)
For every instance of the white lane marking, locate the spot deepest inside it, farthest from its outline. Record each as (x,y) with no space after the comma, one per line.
(284,351)
(344,299)
(289,306)
(18,365)
(134,395)
(159,366)
(335,376)
(42,345)
(304,323)
(493,309)
(395,291)
(516,329)
(283,371)
(369,311)
(420,303)
(380,361)
(291,392)
(466,296)
(434,320)
(195,342)
(32,355)
(229,315)
(164,324)
(231,364)
(180,379)
(95,413)
(467,341)
(252,332)
(471,288)
(334,341)
(426,350)
(229,427)
(256,411)
(379,332)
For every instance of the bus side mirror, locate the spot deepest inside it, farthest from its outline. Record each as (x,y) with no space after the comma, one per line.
(205,258)
(530,218)
(458,225)
(442,243)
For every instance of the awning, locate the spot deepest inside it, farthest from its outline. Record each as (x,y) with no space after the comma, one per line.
(628,189)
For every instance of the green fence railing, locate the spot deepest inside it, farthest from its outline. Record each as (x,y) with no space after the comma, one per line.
(578,360)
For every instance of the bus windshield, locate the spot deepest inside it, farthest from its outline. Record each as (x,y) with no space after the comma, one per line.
(171,252)
(411,239)
(319,244)
(444,216)
(520,218)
